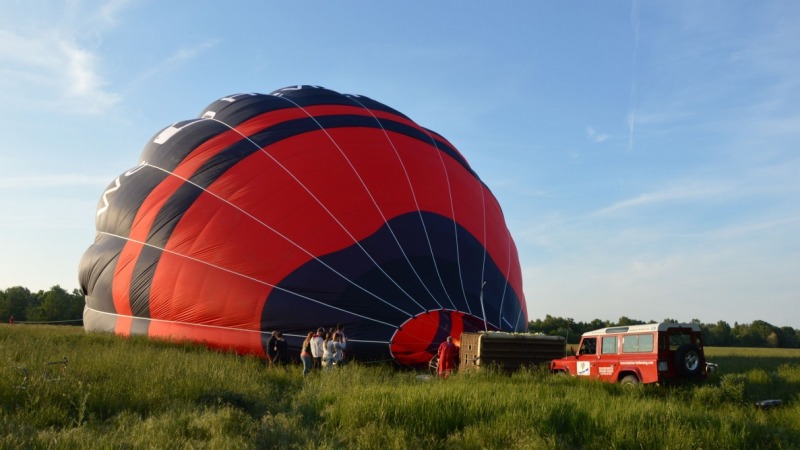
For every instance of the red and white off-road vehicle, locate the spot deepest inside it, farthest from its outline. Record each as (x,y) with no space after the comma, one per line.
(655,353)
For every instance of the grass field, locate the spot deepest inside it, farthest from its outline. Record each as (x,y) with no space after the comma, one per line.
(134,393)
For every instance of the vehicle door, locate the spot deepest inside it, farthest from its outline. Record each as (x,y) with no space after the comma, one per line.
(681,353)
(587,358)
(607,364)
(639,354)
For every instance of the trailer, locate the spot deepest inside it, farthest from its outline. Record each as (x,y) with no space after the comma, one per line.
(508,351)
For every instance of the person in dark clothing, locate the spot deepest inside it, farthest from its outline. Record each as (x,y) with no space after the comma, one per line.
(281,350)
(271,349)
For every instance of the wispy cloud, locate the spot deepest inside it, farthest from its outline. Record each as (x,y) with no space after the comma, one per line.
(741,229)
(631,118)
(677,193)
(595,136)
(58,69)
(52,181)
(109,12)
(179,57)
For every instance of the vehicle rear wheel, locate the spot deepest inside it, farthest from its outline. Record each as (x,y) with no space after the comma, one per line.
(629,382)
(688,360)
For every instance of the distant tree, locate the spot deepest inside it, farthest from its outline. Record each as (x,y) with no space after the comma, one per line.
(625,321)
(597,324)
(789,337)
(719,334)
(16,300)
(5,308)
(753,335)
(77,302)
(56,305)
(773,340)
(558,326)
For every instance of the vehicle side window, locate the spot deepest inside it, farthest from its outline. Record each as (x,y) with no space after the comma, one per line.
(588,346)
(609,345)
(637,343)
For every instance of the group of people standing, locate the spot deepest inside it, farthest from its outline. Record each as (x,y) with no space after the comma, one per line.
(326,349)
(323,349)
(320,349)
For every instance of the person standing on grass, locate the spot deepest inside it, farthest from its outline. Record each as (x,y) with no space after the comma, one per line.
(337,346)
(343,341)
(327,353)
(305,353)
(317,348)
(448,357)
(281,349)
(271,349)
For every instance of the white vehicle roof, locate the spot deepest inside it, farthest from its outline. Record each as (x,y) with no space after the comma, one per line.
(642,328)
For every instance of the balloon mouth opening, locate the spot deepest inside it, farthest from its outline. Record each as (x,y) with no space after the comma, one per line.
(415,342)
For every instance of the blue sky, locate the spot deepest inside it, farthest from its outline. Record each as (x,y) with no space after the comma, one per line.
(646,154)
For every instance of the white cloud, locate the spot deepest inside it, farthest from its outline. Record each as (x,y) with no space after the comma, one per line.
(54,69)
(743,229)
(679,192)
(594,136)
(109,12)
(179,57)
(84,88)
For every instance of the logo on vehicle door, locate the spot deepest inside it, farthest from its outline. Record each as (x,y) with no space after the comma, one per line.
(583,368)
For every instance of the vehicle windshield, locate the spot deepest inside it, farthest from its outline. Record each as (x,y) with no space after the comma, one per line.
(588,346)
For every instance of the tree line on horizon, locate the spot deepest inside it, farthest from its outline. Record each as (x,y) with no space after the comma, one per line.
(755,334)
(58,306)
(55,305)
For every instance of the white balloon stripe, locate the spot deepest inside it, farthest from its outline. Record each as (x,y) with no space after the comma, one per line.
(218,327)
(285,238)
(453,213)
(419,212)
(366,189)
(519,316)
(485,243)
(247,277)
(505,285)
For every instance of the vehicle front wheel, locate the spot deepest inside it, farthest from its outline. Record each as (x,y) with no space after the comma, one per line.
(629,382)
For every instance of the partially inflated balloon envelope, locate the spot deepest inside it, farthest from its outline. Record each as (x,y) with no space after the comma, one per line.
(301,209)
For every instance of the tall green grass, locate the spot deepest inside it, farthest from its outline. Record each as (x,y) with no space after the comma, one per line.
(136,393)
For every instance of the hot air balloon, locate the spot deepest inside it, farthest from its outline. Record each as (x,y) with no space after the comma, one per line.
(299,209)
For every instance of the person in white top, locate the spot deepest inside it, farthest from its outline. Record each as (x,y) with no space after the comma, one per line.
(336,348)
(340,332)
(328,351)
(317,347)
